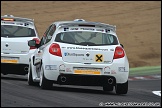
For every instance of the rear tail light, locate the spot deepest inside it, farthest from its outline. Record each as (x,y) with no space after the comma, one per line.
(37,42)
(119,53)
(32,47)
(54,49)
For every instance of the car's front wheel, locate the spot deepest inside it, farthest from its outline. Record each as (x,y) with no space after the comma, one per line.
(44,83)
(121,88)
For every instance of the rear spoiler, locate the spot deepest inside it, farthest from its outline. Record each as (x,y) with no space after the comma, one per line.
(95,24)
(17,18)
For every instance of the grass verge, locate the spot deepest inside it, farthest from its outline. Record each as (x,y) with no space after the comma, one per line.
(153,70)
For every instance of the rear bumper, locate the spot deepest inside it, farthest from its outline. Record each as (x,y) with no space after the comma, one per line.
(85,80)
(55,66)
(19,69)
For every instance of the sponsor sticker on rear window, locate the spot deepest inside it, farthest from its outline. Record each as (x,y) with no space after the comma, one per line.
(72,54)
(84,48)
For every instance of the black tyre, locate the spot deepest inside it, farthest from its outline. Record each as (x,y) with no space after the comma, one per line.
(108,88)
(121,88)
(44,83)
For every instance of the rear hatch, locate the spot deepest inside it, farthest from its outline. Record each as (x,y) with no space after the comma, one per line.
(87,42)
(15,45)
(87,54)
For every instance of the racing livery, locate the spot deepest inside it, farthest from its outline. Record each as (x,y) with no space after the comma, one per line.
(79,52)
(15,34)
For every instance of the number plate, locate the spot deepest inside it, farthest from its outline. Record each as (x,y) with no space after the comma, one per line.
(92,71)
(9,60)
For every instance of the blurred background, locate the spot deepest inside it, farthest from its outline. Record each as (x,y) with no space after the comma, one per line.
(138,22)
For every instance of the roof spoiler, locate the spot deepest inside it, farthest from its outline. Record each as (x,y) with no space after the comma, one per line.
(18,18)
(77,23)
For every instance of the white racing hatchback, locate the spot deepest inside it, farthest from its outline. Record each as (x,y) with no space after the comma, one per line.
(79,53)
(15,34)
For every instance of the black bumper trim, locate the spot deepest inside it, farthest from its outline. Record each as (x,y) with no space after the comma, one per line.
(8,68)
(85,80)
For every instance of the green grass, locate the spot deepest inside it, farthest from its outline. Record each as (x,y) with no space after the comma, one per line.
(153,70)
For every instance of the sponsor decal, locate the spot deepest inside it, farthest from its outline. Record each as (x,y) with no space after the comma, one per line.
(63,47)
(111,49)
(24,52)
(62,67)
(113,72)
(101,30)
(20,23)
(85,48)
(122,69)
(72,54)
(92,29)
(68,70)
(99,57)
(74,28)
(50,67)
(107,70)
(87,59)
(8,22)
(107,61)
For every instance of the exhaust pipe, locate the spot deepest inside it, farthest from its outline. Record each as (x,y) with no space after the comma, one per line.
(26,68)
(110,80)
(63,79)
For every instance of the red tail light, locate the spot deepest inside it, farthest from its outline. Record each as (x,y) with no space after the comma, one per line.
(32,48)
(37,42)
(54,49)
(119,53)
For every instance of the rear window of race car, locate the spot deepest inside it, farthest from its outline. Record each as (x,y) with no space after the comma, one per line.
(12,31)
(86,38)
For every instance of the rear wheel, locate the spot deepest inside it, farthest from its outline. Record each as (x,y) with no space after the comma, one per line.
(44,83)
(121,88)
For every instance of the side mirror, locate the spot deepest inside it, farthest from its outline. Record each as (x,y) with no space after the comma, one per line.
(33,44)
(122,45)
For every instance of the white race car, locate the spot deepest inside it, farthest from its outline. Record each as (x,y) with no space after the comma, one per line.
(15,34)
(79,53)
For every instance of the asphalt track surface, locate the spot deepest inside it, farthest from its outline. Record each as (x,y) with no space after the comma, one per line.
(15,92)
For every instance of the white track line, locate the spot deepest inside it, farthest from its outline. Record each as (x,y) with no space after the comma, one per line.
(157,93)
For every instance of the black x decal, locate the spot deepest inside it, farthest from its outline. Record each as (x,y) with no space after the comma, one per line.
(99,58)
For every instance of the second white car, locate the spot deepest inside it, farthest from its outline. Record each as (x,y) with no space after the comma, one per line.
(15,34)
